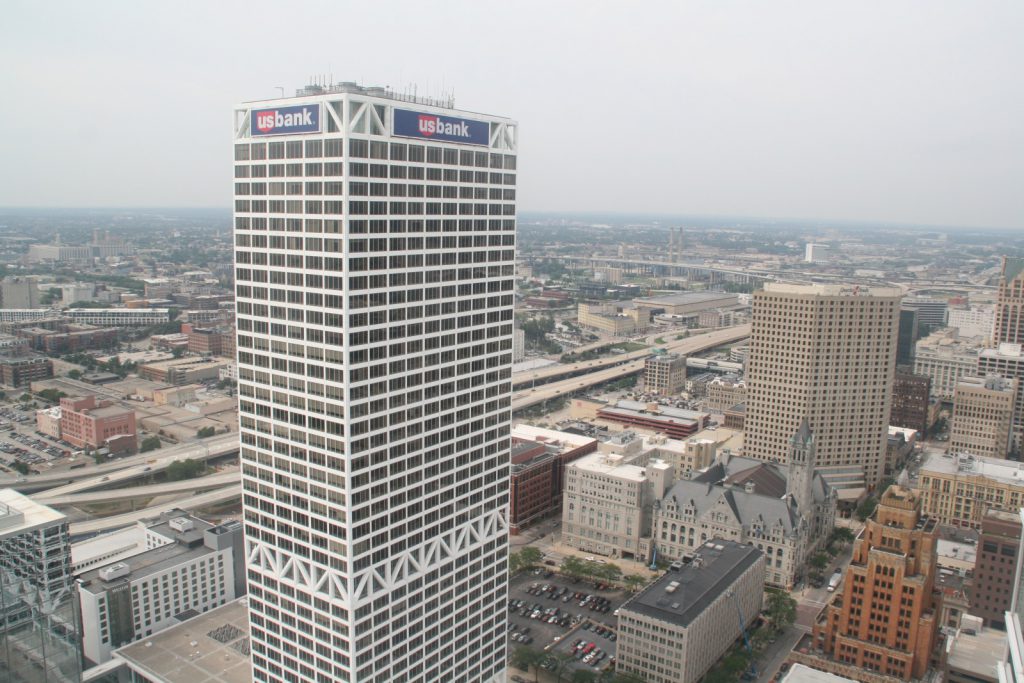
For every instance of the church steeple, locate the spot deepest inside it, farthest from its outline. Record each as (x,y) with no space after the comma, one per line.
(801,467)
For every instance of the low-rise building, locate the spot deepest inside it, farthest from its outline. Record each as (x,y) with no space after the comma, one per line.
(182,370)
(982,421)
(676,629)
(606,318)
(146,593)
(973,653)
(724,392)
(48,421)
(20,372)
(89,422)
(961,489)
(676,423)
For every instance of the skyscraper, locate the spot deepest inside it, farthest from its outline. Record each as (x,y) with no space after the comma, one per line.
(827,353)
(375,242)
(1009,315)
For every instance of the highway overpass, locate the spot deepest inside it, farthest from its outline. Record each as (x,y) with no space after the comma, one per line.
(524,399)
(214,447)
(692,344)
(200,500)
(217,480)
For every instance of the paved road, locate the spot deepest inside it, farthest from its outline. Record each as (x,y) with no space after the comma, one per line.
(525,399)
(197,501)
(692,344)
(217,480)
(208,448)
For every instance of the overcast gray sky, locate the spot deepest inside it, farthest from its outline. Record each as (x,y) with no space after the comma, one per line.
(892,111)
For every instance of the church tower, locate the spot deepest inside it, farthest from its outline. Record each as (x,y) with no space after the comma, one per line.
(801,468)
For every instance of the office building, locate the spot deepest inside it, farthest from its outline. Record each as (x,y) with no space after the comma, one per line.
(960,489)
(375,239)
(199,569)
(21,372)
(665,373)
(827,353)
(911,401)
(675,423)
(816,253)
(39,625)
(1009,312)
(996,566)
(945,357)
(1007,360)
(931,313)
(19,292)
(909,333)
(539,459)
(885,619)
(119,317)
(724,392)
(982,421)
(971,321)
(677,628)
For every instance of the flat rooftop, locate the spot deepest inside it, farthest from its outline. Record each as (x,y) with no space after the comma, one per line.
(611,465)
(20,514)
(842,290)
(800,673)
(210,648)
(700,583)
(687,298)
(978,653)
(1003,471)
(550,436)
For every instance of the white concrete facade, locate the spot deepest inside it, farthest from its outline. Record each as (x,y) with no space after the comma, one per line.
(375,323)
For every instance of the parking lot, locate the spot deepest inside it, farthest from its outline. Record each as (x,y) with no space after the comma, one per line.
(17,444)
(550,612)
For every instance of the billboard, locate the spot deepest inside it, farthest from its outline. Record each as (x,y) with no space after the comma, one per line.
(303,118)
(414,124)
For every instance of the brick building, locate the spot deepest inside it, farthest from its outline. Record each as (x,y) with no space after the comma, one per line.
(21,372)
(539,457)
(995,566)
(910,401)
(88,422)
(885,619)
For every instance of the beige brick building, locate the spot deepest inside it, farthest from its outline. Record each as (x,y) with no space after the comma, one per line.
(724,393)
(982,423)
(1007,360)
(826,352)
(960,489)
(665,373)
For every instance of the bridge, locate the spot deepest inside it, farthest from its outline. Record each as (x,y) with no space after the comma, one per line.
(634,362)
(217,480)
(200,500)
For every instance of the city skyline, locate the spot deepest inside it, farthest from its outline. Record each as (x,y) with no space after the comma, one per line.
(902,114)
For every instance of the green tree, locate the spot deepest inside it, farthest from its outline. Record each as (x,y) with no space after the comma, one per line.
(75,373)
(530,556)
(583,676)
(206,432)
(20,467)
(150,443)
(610,572)
(634,582)
(842,535)
(572,567)
(51,395)
(818,561)
(867,508)
(524,658)
(184,469)
(780,610)
(515,563)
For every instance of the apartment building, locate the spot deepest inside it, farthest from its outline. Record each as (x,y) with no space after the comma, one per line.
(983,412)
(885,618)
(674,630)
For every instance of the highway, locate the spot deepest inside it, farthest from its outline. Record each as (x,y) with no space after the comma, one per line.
(698,342)
(93,526)
(525,399)
(202,450)
(149,491)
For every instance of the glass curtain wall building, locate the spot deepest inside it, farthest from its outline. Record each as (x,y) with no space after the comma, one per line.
(375,241)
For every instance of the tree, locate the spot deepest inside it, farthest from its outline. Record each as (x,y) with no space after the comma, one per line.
(75,373)
(634,581)
(572,567)
(51,395)
(867,508)
(150,443)
(20,467)
(583,676)
(780,610)
(818,561)
(842,534)
(206,432)
(530,557)
(184,469)
(525,657)
(610,572)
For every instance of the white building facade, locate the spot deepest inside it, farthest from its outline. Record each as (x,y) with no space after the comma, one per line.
(375,239)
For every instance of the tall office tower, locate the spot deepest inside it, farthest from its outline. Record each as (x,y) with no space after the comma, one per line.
(375,238)
(996,566)
(1009,315)
(909,333)
(39,624)
(825,352)
(1007,360)
(885,620)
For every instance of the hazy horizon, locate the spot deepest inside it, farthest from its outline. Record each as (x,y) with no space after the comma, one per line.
(902,114)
